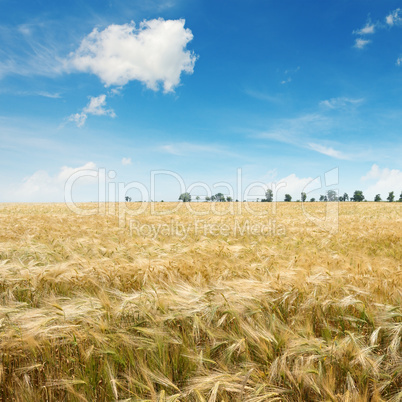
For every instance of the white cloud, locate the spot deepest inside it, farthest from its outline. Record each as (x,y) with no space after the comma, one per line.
(292,185)
(399,61)
(171,149)
(41,186)
(289,74)
(33,93)
(32,49)
(394,17)
(96,107)
(115,91)
(186,149)
(153,53)
(361,43)
(327,151)
(66,172)
(295,130)
(270,175)
(49,95)
(78,118)
(340,103)
(262,96)
(385,180)
(366,30)
(126,161)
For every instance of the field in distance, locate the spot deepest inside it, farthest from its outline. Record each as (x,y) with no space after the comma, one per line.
(219,302)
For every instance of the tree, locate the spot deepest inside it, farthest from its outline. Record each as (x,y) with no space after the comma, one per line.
(332,195)
(128,199)
(358,196)
(377,198)
(400,197)
(185,197)
(197,198)
(312,199)
(229,199)
(269,195)
(207,198)
(391,196)
(288,197)
(303,196)
(220,197)
(322,197)
(341,198)
(345,197)
(213,198)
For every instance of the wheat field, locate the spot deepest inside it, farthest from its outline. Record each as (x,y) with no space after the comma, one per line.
(201,306)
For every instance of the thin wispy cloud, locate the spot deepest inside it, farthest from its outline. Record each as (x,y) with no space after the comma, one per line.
(191,149)
(171,149)
(340,103)
(327,151)
(49,95)
(262,96)
(303,131)
(295,130)
(289,75)
(31,50)
(44,94)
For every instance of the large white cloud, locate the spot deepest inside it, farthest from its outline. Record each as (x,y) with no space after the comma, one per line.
(382,182)
(154,53)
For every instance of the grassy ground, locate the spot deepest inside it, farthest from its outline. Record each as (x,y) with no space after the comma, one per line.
(224,308)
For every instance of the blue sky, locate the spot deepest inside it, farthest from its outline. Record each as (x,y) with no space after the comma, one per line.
(285,91)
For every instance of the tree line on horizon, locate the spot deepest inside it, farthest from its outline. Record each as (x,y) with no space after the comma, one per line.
(330,196)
